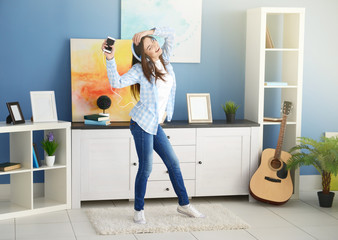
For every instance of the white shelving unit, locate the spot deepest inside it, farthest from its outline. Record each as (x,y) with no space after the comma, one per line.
(23,200)
(281,63)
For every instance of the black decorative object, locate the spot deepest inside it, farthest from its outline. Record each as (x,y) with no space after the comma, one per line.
(9,119)
(103,102)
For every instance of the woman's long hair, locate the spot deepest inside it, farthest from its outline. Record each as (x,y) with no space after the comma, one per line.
(148,67)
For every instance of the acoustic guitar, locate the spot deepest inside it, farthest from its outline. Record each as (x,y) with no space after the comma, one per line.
(272,183)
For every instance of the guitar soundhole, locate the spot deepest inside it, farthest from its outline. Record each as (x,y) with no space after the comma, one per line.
(276,164)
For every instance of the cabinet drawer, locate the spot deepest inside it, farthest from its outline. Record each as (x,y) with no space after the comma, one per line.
(160,171)
(158,189)
(181,136)
(183,153)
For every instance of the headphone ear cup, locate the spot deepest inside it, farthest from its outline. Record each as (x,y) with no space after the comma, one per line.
(134,53)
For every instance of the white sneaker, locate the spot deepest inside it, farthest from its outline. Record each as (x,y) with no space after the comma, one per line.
(139,217)
(190,211)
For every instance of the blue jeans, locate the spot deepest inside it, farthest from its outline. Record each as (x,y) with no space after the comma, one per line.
(145,144)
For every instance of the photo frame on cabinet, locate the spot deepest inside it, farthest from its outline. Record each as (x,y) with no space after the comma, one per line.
(43,106)
(15,112)
(199,108)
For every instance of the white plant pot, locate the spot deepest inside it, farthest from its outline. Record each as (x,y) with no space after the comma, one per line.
(50,161)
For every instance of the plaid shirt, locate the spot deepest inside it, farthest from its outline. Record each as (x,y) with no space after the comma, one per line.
(145,112)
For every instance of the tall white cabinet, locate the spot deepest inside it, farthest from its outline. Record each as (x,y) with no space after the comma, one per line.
(24,196)
(274,74)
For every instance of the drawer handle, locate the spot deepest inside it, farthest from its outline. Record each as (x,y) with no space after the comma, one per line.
(135,164)
(167,171)
(167,189)
(200,162)
(168,137)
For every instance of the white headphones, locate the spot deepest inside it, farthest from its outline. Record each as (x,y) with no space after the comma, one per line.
(134,53)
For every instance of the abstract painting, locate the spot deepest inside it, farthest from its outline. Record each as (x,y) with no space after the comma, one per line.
(89,79)
(185,16)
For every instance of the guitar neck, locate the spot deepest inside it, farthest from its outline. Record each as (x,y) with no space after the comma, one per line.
(281,137)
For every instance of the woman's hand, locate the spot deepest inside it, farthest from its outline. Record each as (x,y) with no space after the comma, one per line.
(138,36)
(109,56)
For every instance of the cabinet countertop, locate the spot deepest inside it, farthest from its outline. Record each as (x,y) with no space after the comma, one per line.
(173,124)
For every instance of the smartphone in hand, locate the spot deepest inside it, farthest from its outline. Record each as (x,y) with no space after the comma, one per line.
(110,42)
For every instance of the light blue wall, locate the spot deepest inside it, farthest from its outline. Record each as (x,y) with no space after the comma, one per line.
(34,55)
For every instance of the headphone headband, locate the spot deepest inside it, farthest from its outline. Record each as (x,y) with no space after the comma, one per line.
(134,53)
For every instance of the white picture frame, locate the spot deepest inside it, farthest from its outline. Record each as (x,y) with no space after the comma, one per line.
(199,108)
(43,106)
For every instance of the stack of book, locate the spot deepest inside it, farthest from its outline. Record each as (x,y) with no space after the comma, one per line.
(96,119)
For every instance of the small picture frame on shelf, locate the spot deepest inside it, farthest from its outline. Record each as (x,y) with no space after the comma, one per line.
(43,106)
(199,108)
(15,113)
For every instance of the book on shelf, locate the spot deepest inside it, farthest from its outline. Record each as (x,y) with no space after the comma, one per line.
(35,160)
(7,166)
(270,119)
(104,114)
(275,83)
(37,154)
(268,40)
(96,117)
(92,122)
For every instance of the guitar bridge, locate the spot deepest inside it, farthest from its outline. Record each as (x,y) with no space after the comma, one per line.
(273,179)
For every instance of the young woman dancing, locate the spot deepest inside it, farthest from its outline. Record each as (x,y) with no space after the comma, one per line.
(153,84)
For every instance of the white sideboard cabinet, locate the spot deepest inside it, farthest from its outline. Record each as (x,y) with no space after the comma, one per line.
(215,159)
(223,161)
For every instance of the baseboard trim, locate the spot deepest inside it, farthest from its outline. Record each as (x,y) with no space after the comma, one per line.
(306,183)
(310,182)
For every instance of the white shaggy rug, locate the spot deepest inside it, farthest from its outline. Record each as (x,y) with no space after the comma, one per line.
(119,220)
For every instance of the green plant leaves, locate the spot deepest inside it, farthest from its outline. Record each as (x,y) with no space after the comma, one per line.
(323,154)
(230,107)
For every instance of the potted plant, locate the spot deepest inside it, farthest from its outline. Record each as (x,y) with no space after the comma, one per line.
(323,155)
(230,109)
(50,145)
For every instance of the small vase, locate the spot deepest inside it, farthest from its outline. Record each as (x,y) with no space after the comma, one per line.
(230,117)
(50,161)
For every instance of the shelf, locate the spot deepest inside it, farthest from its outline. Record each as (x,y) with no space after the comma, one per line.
(19,170)
(45,167)
(288,86)
(10,207)
(43,202)
(31,126)
(281,49)
(278,123)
